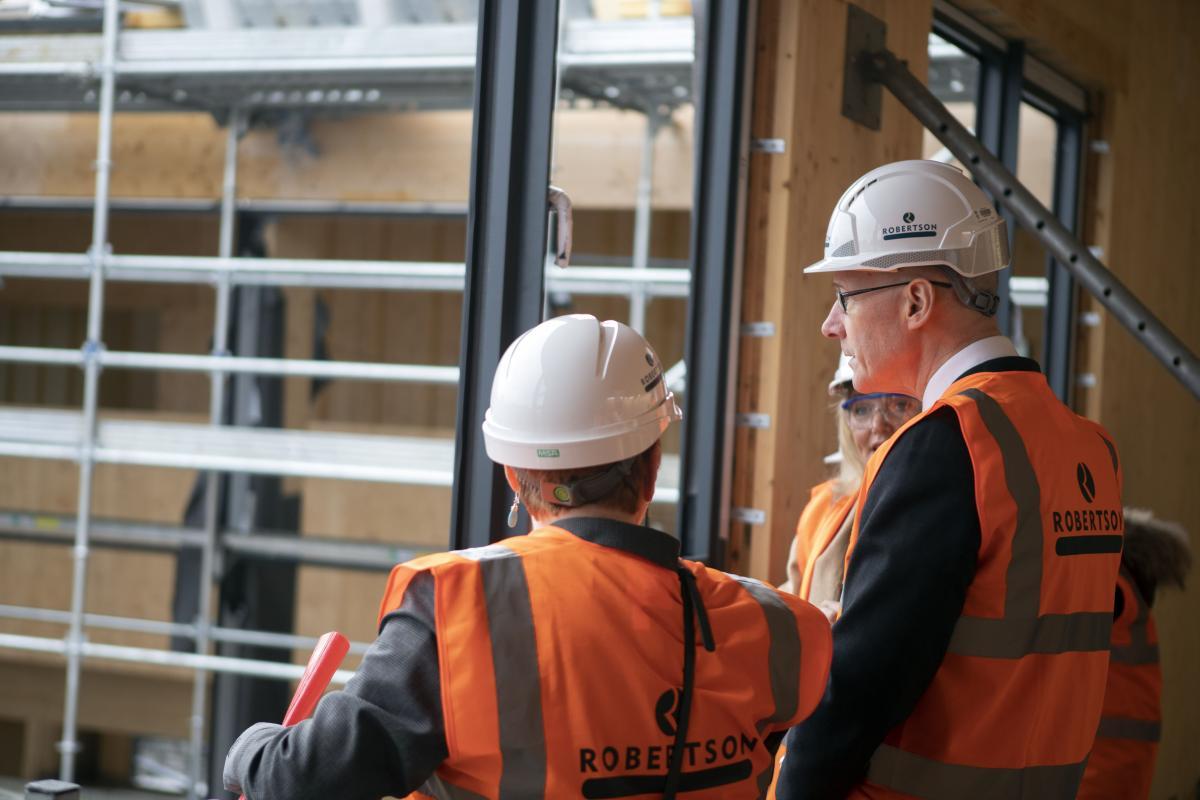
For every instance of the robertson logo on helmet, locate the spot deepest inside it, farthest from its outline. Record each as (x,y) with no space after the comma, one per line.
(652,378)
(909,230)
(636,769)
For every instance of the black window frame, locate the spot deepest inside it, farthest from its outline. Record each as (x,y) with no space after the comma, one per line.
(504,262)
(1008,77)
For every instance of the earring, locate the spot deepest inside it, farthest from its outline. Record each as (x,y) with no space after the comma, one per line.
(512,512)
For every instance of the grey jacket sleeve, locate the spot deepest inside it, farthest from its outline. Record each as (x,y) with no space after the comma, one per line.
(382,735)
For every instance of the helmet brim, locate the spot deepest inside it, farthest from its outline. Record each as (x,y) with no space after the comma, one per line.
(596,447)
(855,264)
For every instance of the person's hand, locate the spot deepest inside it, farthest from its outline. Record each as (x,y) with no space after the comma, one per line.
(832,609)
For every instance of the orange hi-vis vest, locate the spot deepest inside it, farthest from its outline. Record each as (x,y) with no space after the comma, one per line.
(819,522)
(1121,766)
(564,670)
(1013,709)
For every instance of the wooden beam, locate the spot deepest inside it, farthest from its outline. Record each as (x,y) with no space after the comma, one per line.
(798,98)
(418,157)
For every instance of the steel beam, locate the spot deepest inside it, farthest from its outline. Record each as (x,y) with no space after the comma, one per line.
(724,56)
(1179,360)
(506,236)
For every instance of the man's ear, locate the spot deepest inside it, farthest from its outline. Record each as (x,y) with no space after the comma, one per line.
(919,299)
(510,475)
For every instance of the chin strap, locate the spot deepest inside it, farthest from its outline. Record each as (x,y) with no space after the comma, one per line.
(982,300)
(985,302)
(589,489)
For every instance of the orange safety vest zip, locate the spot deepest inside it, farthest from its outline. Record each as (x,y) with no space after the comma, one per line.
(560,663)
(1014,706)
(1121,766)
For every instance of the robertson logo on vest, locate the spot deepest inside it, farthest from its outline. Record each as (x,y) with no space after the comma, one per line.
(666,712)
(635,769)
(1094,530)
(1087,484)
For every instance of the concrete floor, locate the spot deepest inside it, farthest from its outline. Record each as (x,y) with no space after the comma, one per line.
(14,789)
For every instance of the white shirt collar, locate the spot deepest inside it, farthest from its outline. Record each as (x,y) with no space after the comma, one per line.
(969,357)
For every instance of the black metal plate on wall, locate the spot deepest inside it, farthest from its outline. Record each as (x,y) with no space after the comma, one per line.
(862,98)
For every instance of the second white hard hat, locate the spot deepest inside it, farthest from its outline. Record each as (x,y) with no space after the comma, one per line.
(843,375)
(914,213)
(576,392)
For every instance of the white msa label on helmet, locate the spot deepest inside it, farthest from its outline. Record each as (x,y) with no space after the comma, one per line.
(547,452)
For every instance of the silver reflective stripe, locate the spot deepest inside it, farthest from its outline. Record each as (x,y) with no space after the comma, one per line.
(444,790)
(1140,730)
(783,653)
(1084,631)
(1112,453)
(486,552)
(1139,650)
(934,780)
(1023,581)
(1135,654)
(518,682)
(1022,631)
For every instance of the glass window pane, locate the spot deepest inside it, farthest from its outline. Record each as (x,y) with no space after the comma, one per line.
(953,79)
(349,153)
(623,150)
(1038,137)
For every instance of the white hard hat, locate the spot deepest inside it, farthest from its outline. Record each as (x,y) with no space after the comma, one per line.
(914,213)
(576,392)
(843,375)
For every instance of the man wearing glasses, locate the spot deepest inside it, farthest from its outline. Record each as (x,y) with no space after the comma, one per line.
(970,657)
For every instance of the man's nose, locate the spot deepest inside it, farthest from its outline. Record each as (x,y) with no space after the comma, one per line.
(832,326)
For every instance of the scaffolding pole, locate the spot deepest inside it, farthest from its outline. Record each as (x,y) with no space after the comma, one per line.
(643,210)
(227,364)
(167,658)
(69,745)
(357,554)
(883,67)
(280,641)
(219,381)
(328,273)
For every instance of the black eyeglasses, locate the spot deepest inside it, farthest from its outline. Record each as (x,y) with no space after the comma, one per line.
(841,296)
